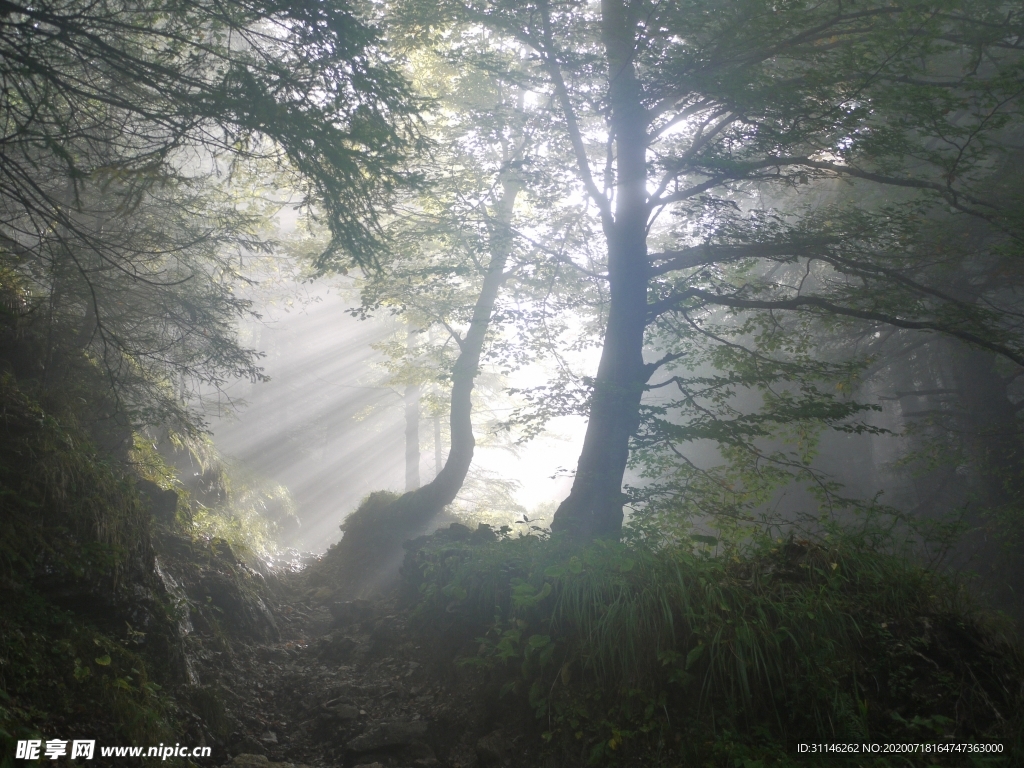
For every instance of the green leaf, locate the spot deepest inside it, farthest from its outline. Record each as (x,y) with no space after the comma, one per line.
(694,655)
(525,596)
(104,660)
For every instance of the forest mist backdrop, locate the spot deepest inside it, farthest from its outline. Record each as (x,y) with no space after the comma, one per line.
(704,314)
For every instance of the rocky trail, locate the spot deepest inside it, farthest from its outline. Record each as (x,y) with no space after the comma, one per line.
(344,684)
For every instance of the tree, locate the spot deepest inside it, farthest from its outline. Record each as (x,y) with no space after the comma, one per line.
(458,244)
(709,110)
(404,285)
(459,263)
(125,126)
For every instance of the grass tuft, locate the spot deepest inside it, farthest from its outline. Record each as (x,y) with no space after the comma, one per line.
(673,655)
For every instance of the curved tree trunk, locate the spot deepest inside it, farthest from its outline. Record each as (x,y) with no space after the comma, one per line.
(428,501)
(371,552)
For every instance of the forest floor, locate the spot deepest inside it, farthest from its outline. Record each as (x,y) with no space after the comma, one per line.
(279,668)
(357,688)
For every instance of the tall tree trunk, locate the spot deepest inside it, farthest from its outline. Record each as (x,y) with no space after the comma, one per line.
(594,506)
(411,396)
(438,452)
(412,437)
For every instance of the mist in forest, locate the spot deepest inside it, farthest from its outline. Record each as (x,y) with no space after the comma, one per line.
(330,428)
(657,365)
(319,426)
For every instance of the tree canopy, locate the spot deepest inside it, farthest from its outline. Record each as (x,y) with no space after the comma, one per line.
(745,205)
(144,147)
(759,172)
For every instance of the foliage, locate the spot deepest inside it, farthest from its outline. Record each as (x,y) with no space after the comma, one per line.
(707,652)
(63,679)
(245,517)
(715,142)
(147,148)
(222,500)
(66,508)
(475,264)
(134,86)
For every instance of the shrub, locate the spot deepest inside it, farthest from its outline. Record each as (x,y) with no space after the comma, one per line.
(675,655)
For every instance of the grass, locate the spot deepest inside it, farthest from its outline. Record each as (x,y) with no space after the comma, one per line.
(676,655)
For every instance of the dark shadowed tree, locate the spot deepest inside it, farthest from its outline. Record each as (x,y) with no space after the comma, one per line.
(706,112)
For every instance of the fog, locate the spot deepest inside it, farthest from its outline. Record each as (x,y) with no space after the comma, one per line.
(329,427)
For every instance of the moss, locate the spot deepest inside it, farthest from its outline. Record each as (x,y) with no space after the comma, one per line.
(67,509)
(373,536)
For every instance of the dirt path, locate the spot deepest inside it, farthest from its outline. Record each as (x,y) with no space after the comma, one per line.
(348,690)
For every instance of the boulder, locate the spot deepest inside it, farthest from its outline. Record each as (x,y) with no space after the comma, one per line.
(337,648)
(350,611)
(492,749)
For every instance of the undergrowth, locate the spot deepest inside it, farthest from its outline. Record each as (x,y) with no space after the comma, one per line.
(62,679)
(75,553)
(243,509)
(65,507)
(636,653)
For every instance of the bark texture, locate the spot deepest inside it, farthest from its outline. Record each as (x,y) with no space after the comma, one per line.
(594,505)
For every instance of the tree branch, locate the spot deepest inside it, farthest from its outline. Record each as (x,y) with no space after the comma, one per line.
(816,302)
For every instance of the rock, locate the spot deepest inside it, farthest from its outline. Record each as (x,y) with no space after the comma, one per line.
(248,761)
(419,750)
(323,594)
(269,737)
(397,733)
(243,743)
(258,761)
(342,711)
(163,504)
(350,612)
(337,648)
(492,749)
(385,632)
(279,655)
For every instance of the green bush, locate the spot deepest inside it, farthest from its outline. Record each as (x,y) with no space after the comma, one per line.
(678,656)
